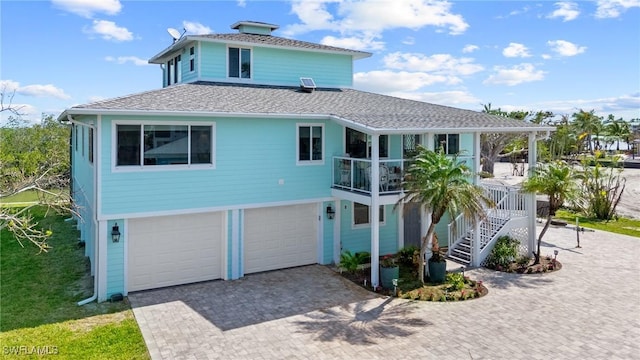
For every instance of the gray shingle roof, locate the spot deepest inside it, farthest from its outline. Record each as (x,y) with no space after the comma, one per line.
(378,112)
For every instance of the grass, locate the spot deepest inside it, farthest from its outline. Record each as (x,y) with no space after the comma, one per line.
(38,297)
(622,226)
(28,197)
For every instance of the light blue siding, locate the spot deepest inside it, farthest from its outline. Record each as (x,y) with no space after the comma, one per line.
(327,231)
(280,66)
(83,188)
(359,239)
(252,156)
(115,259)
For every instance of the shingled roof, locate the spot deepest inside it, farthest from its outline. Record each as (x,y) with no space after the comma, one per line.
(379,113)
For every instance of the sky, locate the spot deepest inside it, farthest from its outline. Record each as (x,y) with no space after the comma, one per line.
(559,56)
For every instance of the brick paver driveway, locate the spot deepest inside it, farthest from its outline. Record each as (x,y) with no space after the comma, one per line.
(587,310)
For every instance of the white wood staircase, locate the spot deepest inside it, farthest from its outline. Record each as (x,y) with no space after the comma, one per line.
(461,252)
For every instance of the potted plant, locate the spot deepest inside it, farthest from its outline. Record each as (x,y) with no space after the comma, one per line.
(437,263)
(389,270)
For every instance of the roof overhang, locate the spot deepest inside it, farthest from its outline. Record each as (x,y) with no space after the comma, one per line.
(302,116)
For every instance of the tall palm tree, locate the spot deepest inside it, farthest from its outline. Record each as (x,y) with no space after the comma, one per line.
(555,180)
(617,129)
(440,184)
(587,124)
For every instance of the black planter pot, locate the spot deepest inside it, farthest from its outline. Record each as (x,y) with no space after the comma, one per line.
(437,271)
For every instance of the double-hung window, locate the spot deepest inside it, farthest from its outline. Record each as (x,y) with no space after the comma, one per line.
(361,214)
(310,144)
(239,63)
(450,143)
(156,145)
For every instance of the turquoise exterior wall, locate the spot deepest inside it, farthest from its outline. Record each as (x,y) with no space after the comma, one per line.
(280,66)
(327,232)
(359,239)
(252,156)
(116,258)
(82,174)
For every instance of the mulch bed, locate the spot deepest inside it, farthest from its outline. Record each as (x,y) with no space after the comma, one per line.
(547,265)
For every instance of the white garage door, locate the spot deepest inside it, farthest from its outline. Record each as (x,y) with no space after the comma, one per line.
(280,237)
(172,250)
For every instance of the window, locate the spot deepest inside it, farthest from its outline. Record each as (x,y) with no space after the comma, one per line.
(310,147)
(169,72)
(449,142)
(91,145)
(192,59)
(239,63)
(361,214)
(177,73)
(82,131)
(358,144)
(76,137)
(151,145)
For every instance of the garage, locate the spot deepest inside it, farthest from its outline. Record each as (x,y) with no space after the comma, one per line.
(280,237)
(172,250)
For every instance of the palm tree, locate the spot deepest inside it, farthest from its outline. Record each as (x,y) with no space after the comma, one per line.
(587,124)
(617,129)
(555,180)
(441,185)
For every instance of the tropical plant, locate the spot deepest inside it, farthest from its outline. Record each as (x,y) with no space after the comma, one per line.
(389,261)
(600,191)
(618,129)
(440,184)
(504,252)
(349,262)
(554,179)
(587,125)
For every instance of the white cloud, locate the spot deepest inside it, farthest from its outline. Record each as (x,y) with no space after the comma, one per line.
(565,48)
(387,81)
(108,30)
(469,48)
(451,98)
(566,10)
(409,40)
(613,8)
(374,16)
(516,50)
(438,63)
(196,28)
(86,8)
(38,90)
(127,59)
(546,56)
(241,3)
(354,43)
(625,106)
(514,75)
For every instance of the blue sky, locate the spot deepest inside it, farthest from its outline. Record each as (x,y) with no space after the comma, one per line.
(559,56)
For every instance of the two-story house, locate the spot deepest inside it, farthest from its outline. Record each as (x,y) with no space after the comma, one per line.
(256,154)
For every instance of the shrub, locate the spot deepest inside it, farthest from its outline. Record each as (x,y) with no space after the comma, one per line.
(456,280)
(408,256)
(350,262)
(503,253)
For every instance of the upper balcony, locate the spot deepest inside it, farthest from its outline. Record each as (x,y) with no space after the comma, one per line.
(354,175)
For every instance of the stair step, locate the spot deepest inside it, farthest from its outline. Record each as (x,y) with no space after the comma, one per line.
(459,260)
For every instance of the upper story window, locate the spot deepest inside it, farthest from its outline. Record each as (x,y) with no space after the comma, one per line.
(192,59)
(91,145)
(152,145)
(450,143)
(358,144)
(174,70)
(361,214)
(239,63)
(310,144)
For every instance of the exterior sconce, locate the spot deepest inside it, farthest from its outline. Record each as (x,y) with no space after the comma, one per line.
(115,233)
(330,212)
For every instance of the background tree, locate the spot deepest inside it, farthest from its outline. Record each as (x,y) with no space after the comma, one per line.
(493,144)
(554,179)
(440,184)
(35,159)
(618,129)
(587,125)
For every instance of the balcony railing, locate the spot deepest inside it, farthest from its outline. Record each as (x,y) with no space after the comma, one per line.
(353,174)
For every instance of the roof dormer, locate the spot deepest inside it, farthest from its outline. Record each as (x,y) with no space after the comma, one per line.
(254,27)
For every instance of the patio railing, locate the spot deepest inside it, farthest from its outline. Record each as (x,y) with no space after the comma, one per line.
(353,174)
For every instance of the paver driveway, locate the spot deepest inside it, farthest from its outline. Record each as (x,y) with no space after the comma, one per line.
(587,310)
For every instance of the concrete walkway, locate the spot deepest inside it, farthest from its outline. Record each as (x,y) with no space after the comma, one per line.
(588,310)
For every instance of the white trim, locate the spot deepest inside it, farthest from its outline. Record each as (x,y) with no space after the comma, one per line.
(235,245)
(211,209)
(97,156)
(323,140)
(337,241)
(241,244)
(224,244)
(320,233)
(150,168)
(400,222)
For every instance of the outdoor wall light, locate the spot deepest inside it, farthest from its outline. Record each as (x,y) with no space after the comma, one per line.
(115,233)
(330,212)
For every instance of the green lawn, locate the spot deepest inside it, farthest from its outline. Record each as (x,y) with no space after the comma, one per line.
(27,197)
(623,226)
(38,296)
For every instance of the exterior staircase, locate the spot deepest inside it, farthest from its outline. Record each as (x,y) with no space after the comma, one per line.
(462,250)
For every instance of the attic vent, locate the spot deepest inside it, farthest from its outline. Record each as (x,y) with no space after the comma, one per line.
(307,84)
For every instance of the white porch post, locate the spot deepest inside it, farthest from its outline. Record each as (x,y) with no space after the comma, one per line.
(475,245)
(532,208)
(374,209)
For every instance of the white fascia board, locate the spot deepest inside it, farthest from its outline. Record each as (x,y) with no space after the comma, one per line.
(157,59)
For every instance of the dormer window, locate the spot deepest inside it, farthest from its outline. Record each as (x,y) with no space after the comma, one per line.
(174,70)
(239,63)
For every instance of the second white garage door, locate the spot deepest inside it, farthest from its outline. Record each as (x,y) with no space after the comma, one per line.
(173,250)
(280,237)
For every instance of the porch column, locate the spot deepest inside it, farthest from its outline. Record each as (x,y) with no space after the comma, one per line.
(374,209)
(476,157)
(533,155)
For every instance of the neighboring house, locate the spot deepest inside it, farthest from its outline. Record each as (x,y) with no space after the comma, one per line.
(238,166)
